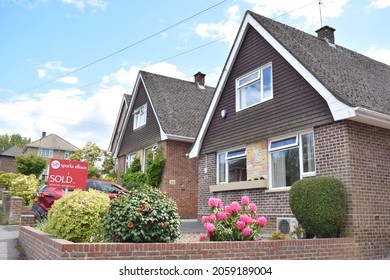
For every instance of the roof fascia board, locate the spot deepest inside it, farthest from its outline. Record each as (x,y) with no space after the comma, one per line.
(221,84)
(116,127)
(178,138)
(371,117)
(338,109)
(125,123)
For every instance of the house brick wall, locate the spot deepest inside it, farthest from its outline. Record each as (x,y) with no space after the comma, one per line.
(271,204)
(42,246)
(359,155)
(180,177)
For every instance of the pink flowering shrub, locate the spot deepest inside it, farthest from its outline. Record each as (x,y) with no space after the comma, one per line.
(234,222)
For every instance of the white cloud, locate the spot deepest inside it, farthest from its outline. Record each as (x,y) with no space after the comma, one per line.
(223,29)
(308,10)
(71,80)
(81,5)
(382,55)
(379,4)
(76,115)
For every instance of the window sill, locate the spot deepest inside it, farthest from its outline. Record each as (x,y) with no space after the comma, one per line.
(256,184)
(281,189)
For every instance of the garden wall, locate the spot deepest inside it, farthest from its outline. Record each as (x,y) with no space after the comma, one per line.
(42,246)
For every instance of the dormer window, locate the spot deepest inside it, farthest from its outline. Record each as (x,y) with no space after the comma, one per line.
(140,116)
(254,88)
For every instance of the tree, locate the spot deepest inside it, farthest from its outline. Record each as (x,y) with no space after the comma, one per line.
(31,164)
(100,162)
(7,141)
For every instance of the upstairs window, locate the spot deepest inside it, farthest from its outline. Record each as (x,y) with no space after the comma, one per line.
(254,88)
(231,166)
(67,154)
(140,116)
(47,153)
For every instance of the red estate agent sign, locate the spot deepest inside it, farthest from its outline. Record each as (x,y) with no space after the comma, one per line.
(67,174)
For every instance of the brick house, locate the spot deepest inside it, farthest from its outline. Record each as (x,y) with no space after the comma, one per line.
(7,159)
(163,113)
(290,105)
(50,146)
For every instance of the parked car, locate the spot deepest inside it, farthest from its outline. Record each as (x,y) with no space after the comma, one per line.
(46,196)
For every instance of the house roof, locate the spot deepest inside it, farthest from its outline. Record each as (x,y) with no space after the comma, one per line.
(179,105)
(12,151)
(51,141)
(353,78)
(126,99)
(354,86)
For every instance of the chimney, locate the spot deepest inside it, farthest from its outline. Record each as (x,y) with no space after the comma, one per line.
(43,134)
(199,79)
(326,33)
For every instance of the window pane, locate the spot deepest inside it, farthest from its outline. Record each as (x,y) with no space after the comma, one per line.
(237,169)
(284,142)
(267,83)
(308,152)
(250,95)
(248,78)
(285,167)
(221,168)
(236,153)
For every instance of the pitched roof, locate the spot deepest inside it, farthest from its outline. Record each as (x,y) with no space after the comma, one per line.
(12,151)
(354,86)
(179,105)
(51,141)
(353,78)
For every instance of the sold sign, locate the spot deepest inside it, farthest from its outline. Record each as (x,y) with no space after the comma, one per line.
(67,174)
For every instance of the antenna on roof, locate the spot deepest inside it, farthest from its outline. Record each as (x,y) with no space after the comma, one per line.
(319,4)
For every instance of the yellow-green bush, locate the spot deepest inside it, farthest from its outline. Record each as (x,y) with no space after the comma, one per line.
(24,186)
(77,216)
(6,178)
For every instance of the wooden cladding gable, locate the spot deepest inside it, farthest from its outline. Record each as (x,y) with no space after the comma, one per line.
(295,104)
(149,134)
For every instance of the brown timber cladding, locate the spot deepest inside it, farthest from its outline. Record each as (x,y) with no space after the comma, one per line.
(144,136)
(295,105)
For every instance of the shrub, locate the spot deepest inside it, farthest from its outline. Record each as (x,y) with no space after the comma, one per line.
(146,215)
(319,204)
(134,178)
(277,235)
(234,222)
(77,216)
(6,178)
(31,164)
(24,186)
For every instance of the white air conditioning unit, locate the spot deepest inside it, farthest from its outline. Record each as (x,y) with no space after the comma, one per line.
(286,225)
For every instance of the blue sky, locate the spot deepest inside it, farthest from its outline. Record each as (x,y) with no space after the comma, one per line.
(65,64)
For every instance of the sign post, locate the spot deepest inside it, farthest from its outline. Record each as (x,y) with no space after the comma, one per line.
(67,174)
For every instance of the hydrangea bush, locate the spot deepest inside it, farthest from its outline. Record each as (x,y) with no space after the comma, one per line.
(234,222)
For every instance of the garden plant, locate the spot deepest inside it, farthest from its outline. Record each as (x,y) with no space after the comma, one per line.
(234,222)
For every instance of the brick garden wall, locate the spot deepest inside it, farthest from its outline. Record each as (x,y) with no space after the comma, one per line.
(41,246)
(12,207)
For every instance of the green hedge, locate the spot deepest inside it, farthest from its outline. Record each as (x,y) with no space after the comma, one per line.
(319,204)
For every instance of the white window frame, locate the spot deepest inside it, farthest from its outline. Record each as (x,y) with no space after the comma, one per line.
(67,154)
(129,160)
(47,153)
(140,115)
(298,143)
(226,164)
(259,78)
(153,149)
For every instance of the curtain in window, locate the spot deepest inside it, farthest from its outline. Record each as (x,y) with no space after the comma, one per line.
(279,169)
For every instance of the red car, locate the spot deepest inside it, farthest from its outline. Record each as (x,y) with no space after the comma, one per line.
(46,196)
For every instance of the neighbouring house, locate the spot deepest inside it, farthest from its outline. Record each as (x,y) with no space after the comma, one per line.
(50,146)
(7,159)
(164,113)
(291,105)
